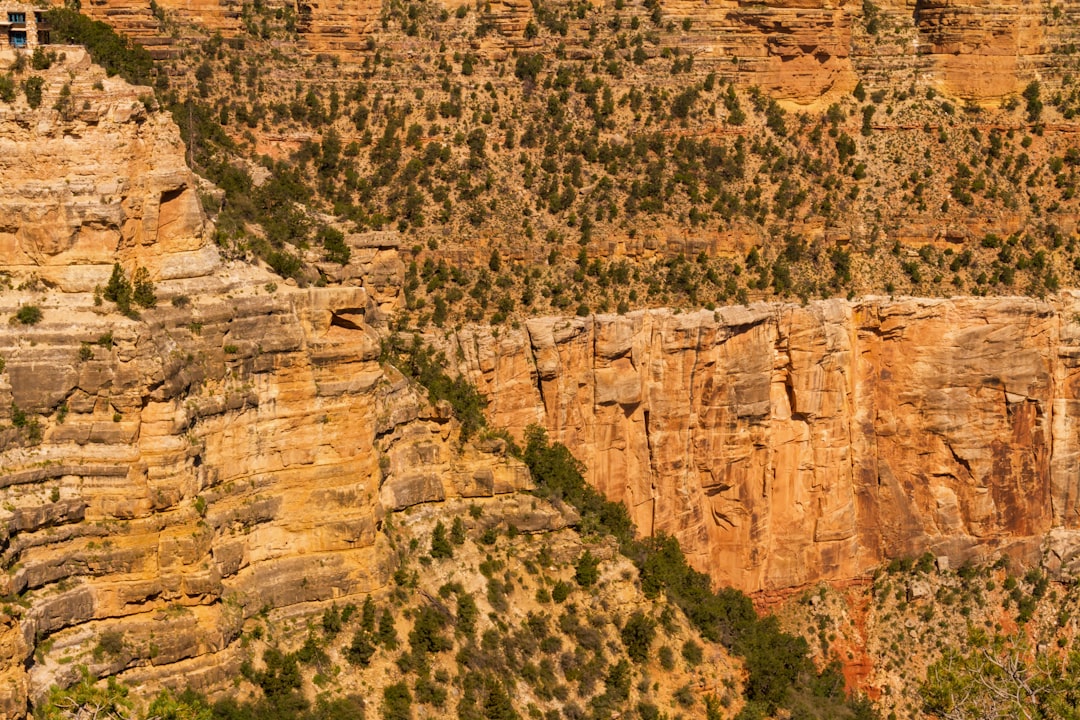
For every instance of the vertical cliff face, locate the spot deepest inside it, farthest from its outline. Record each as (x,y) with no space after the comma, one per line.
(976,50)
(786,444)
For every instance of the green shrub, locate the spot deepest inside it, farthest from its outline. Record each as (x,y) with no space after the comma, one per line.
(42,59)
(397,702)
(7,89)
(387,633)
(360,650)
(333,242)
(586,570)
(423,364)
(426,635)
(467,614)
(457,531)
(560,591)
(117,54)
(28,314)
(143,292)
(528,66)
(119,290)
(667,658)
(331,622)
(692,652)
(684,696)
(32,88)
(637,635)
(110,643)
(440,545)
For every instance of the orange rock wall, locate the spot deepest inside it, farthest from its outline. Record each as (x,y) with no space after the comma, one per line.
(783,445)
(799,50)
(106,183)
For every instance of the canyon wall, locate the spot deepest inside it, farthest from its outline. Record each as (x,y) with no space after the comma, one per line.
(798,50)
(167,478)
(785,444)
(101,181)
(167,475)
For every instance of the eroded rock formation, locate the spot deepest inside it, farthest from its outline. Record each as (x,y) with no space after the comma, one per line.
(102,181)
(785,444)
(165,477)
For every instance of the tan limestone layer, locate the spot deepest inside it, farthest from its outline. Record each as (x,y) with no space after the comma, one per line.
(785,444)
(213,460)
(104,182)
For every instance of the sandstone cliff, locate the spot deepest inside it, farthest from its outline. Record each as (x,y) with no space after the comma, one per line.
(96,179)
(784,444)
(165,477)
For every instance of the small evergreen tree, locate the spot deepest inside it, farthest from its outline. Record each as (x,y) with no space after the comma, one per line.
(637,636)
(360,650)
(387,632)
(586,570)
(457,531)
(32,87)
(367,615)
(397,702)
(143,289)
(119,290)
(440,545)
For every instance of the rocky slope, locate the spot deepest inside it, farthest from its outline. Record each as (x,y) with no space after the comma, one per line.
(622,171)
(785,444)
(956,621)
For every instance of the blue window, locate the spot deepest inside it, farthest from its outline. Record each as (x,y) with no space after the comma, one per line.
(16,17)
(18,39)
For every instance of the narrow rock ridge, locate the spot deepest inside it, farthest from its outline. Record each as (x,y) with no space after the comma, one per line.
(784,445)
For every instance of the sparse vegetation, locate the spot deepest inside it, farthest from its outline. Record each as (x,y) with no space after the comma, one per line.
(28,315)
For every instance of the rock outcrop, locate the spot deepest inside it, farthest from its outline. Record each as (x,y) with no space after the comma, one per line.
(784,445)
(235,449)
(191,468)
(96,179)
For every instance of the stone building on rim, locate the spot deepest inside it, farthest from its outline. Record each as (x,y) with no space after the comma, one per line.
(22,26)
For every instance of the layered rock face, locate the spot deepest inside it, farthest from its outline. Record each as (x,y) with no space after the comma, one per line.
(976,50)
(232,451)
(799,50)
(783,445)
(803,50)
(100,182)
(200,465)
